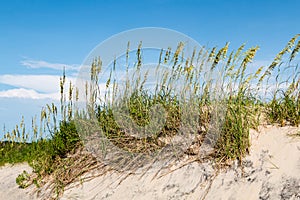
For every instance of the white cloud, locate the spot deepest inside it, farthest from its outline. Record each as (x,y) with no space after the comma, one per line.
(28,94)
(43,64)
(40,83)
(34,86)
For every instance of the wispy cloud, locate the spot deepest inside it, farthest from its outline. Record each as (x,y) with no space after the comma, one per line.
(41,83)
(33,86)
(35,64)
(28,94)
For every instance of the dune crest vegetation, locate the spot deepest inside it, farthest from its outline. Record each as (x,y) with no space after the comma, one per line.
(227,99)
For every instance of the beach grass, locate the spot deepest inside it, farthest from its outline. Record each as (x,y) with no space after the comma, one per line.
(220,100)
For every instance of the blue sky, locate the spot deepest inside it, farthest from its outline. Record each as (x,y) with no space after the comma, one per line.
(38,38)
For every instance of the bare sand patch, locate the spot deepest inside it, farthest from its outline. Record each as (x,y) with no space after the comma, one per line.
(8,187)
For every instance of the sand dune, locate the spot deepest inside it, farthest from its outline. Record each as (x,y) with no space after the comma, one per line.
(271,171)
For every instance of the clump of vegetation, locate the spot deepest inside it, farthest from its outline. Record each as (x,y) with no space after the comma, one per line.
(23,179)
(217,103)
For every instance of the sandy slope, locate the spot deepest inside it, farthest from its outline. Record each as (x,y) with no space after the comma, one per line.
(9,190)
(272,171)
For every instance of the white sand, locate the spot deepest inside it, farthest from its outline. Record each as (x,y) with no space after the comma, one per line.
(272,171)
(9,190)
